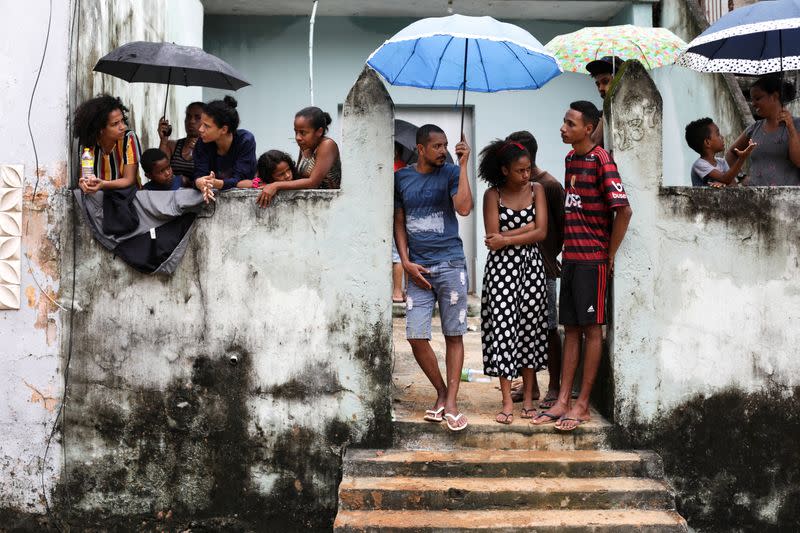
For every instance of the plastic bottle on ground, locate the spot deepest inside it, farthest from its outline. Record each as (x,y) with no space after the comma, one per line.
(474,376)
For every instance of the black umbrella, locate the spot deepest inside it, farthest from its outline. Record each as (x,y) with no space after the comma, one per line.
(170,64)
(405,134)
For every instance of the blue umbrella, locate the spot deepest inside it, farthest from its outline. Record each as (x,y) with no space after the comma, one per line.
(459,52)
(758,39)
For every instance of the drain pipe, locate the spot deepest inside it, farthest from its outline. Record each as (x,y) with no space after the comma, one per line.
(311,51)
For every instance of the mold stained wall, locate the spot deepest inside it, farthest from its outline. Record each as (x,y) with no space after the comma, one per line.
(30,382)
(297,292)
(707,285)
(32,340)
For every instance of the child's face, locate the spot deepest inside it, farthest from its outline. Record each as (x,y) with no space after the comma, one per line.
(161,173)
(518,172)
(574,129)
(715,141)
(282,172)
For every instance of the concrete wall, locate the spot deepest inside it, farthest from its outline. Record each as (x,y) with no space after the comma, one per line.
(160,419)
(35,338)
(30,338)
(704,348)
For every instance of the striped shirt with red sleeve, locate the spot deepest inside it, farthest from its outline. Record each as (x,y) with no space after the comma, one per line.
(127,151)
(593,188)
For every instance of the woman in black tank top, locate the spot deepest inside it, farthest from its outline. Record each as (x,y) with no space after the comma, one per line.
(181,152)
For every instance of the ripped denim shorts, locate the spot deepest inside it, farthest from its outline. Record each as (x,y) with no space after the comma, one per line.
(449,285)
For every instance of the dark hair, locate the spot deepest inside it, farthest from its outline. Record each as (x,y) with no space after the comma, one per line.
(201,104)
(697,132)
(591,115)
(318,117)
(223,113)
(270,160)
(495,156)
(526,139)
(92,116)
(775,84)
(424,132)
(150,157)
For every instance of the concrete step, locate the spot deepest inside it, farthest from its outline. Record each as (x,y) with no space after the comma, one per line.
(454,493)
(502,463)
(484,433)
(594,521)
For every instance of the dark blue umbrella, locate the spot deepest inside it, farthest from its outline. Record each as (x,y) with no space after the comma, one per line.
(758,39)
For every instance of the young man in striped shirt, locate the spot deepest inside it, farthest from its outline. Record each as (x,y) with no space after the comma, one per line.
(597,214)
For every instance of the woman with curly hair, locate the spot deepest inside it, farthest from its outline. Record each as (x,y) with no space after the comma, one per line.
(100,124)
(226,154)
(514,298)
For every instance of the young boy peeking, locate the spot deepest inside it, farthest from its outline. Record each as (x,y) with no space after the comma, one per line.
(703,137)
(158,170)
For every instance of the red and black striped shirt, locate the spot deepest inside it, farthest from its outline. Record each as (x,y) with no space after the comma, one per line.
(593,188)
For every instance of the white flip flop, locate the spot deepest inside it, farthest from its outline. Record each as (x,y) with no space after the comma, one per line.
(434,415)
(454,418)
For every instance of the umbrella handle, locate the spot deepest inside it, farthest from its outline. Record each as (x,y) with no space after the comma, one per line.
(464,88)
(166,99)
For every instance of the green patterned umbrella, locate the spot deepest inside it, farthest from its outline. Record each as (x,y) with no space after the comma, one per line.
(653,47)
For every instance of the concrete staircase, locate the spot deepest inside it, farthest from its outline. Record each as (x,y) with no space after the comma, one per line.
(492,477)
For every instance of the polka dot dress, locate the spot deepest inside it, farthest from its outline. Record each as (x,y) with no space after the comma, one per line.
(514,304)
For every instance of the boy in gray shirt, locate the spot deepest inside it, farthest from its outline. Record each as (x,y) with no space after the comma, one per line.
(703,137)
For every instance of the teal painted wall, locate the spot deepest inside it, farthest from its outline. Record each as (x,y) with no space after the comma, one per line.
(273,53)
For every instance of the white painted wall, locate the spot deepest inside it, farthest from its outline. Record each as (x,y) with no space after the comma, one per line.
(707,283)
(33,339)
(30,338)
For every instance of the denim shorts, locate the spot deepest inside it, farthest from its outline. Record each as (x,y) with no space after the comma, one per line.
(395,253)
(448,287)
(552,304)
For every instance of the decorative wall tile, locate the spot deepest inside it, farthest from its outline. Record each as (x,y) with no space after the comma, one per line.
(11,180)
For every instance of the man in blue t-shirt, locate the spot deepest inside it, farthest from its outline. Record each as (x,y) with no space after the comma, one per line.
(427,197)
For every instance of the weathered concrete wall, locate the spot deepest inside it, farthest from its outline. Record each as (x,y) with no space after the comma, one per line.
(30,338)
(160,419)
(33,340)
(704,354)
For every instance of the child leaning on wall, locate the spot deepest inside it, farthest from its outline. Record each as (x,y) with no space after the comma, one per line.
(273,166)
(703,137)
(157,168)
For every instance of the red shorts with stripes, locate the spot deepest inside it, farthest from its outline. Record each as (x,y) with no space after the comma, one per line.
(584,295)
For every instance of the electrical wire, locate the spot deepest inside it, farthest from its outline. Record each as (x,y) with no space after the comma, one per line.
(27,256)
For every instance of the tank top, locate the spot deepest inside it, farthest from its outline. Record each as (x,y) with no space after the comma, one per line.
(332,180)
(181,166)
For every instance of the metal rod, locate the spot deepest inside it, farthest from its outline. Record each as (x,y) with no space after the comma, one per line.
(311,51)
(464,87)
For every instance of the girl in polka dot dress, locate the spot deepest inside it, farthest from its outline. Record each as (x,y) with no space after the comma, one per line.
(514,299)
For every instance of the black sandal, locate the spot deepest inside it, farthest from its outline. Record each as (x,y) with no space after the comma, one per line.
(506,418)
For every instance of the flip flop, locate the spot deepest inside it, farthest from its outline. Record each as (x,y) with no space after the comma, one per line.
(398,300)
(526,413)
(548,402)
(506,417)
(454,418)
(578,420)
(551,419)
(434,415)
